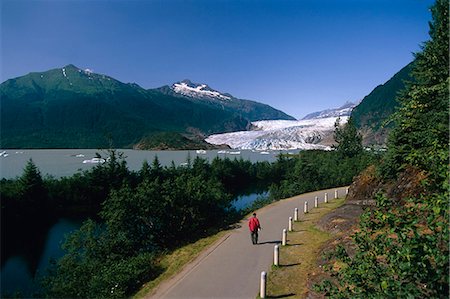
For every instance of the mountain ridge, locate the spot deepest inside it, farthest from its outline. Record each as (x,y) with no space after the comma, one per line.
(344,110)
(202,93)
(372,113)
(70,107)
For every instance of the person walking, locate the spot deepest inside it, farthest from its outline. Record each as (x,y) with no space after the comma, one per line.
(254,226)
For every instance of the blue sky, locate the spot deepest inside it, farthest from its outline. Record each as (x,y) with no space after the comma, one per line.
(298,56)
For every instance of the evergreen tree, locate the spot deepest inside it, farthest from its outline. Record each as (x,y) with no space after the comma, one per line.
(420,137)
(348,140)
(145,170)
(31,186)
(402,245)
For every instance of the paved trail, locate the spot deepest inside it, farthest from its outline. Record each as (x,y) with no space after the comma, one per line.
(232,267)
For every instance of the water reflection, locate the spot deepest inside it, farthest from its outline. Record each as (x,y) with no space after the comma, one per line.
(244,201)
(28,254)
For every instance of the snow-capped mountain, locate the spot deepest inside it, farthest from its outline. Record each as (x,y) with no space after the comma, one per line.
(280,135)
(201,93)
(196,90)
(344,110)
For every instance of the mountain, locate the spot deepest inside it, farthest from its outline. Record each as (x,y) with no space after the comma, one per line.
(344,110)
(202,93)
(74,108)
(375,109)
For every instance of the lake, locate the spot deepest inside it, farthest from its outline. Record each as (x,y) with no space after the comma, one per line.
(66,162)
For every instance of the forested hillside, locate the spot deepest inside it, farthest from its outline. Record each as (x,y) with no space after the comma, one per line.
(401,248)
(372,115)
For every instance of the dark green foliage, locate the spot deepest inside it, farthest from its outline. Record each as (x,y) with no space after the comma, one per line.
(99,263)
(315,170)
(169,207)
(402,252)
(26,196)
(85,192)
(24,201)
(168,213)
(421,135)
(31,189)
(402,247)
(348,140)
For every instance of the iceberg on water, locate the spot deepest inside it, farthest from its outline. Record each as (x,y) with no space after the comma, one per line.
(94,161)
(235,153)
(280,135)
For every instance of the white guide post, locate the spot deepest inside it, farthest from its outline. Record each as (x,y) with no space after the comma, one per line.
(296,214)
(316,202)
(283,240)
(346,191)
(305,209)
(262,290)
(290,224)
(326,197)
(276,255)
(336,194)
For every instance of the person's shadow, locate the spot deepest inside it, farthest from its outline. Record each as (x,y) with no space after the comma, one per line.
(270,242)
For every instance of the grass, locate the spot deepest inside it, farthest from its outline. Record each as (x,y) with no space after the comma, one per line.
(298,258)
(173,262)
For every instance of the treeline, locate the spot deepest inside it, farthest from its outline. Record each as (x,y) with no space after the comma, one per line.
(402,247)
(82,194)
(137,215)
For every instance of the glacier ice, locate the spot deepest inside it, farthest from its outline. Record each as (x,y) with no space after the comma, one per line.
(280,135)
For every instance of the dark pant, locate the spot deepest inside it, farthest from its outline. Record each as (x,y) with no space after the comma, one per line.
(254,236)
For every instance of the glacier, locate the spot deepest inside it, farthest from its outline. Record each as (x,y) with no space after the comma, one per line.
(280,135)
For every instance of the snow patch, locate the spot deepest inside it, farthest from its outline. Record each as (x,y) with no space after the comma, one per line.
(200,90)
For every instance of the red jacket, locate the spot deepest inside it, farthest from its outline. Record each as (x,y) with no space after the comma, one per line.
(253,224)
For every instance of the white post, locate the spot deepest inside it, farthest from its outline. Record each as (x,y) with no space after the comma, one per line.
(296,214)
(305,209)
(336,194)
(326,197)
(283,242)
(290,224)
(276,255)
(262,290)
(316,202)
(346,191)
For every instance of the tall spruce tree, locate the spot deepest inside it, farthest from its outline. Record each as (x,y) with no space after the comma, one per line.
(348,140)
(421,135)
(32,189)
